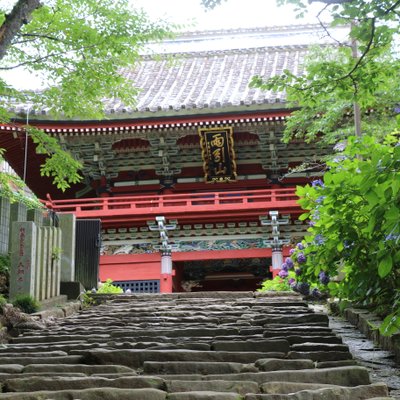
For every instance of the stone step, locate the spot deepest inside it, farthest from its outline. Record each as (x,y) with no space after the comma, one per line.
(279,345)
(41,360)
(326,393)
(81,368)
(89,394)
(33,384)
(198,346)
(242,387)
(320,356)
(135,358)
(57,338)
(341,376)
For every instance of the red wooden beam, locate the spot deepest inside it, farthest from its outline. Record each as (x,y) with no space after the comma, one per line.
(196,206)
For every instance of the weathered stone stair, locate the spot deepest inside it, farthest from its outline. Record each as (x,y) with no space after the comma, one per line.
(200,346)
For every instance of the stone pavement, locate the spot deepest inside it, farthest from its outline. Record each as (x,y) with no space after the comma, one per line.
(187,346)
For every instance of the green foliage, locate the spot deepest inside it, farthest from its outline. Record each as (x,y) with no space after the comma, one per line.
(355,225)
(277,284)
(3,301)
(108,287)
(26,303)
(78,50)
(86,300)
(59,165)
(335,78)
(13,188)
(211,4)
(4,264)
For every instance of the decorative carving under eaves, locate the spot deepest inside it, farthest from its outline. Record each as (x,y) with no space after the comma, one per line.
(165,149)
(271,147)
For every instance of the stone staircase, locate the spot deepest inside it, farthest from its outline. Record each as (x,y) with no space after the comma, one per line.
(186,346)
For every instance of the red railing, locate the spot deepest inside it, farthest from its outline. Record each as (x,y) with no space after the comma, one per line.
(175,204)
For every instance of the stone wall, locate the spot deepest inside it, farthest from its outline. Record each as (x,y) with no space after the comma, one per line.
(41,247)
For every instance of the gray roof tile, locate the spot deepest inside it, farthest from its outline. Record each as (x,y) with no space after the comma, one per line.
(210,79)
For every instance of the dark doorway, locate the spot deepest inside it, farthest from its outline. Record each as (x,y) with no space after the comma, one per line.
(87,252)
(223,275)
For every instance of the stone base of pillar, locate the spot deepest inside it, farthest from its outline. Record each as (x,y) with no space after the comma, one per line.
(166,283)
(274,271)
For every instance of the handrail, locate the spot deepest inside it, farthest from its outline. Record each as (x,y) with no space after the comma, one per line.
(174,202)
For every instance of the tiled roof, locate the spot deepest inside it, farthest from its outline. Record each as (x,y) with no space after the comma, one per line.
(209,80)
(205,72)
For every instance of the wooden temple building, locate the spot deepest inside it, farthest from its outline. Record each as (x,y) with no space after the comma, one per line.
(191,185)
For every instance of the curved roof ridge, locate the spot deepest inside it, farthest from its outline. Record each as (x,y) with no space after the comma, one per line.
(239,50)
(274,28)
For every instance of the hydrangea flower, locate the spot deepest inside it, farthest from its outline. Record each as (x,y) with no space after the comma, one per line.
(319,239)
(303,288)
(284,267)
(391,236)
(341,146)
(297,271)
(291,251)
(316,293)
(301,258)
(289,263)
(291,281)
(300,246)
(283,273)
(317,182)
(323,277)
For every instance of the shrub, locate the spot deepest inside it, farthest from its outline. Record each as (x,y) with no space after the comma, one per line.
(107,287)
(4,264)
(354,233)
(26,303)
(3,301)
(277,284)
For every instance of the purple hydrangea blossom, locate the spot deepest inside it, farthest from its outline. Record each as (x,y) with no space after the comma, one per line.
(283,274)
(391,236)
(291,281)
(317,183)
(291,251)
(289,262)
(341,146)
(323,277)
(300,246)
(316,293)
(319,239)
(297,271)
(284,267)
(303,288)
(301,258)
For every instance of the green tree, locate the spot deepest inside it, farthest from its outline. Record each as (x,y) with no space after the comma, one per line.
(78,49)
(361,72)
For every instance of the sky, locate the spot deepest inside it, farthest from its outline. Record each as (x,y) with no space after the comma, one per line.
(230,14)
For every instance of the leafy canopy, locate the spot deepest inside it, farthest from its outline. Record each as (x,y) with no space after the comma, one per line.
(363,70)
(78,50)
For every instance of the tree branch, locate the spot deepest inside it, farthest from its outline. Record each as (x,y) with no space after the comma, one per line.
(18,17)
